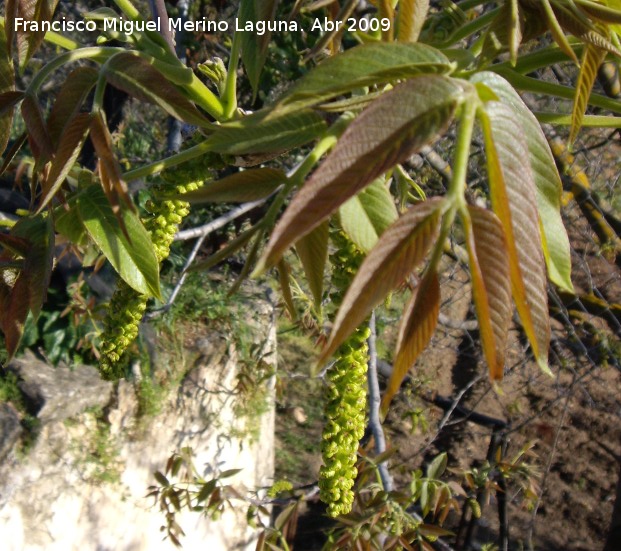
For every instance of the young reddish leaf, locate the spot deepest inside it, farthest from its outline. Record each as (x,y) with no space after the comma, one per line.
(389,131)
(69,148)
(247,185)
(396,255)
(366,215)
(10,12)
(412,15)
(514,202)
(491,283)
(547,180)
(8,98)
(38,262)
(313,252)
(15,314)
(38,136)
(72,95)
(109,170)
(139,79)
(417,327)
(28,41)
(17,245)
(591,60)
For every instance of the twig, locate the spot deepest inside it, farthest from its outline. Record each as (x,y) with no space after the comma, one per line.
(375,423)
(218,223)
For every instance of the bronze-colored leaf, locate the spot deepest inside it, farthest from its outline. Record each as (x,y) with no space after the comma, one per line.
(7,84)
(412,15)
(38,137)
(417,327)
(491,283)
(15,314)
(28,40)
(514,201)
(284,273)
(71,96)
(389,131)
(109,170)
(69,148)
(399,251)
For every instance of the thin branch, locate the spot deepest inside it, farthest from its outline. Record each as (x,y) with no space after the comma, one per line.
(218,223)
(375,423)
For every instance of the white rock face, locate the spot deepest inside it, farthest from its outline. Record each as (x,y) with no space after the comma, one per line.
(53,500)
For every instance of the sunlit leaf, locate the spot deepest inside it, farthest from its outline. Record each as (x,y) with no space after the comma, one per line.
(139,79)
(418,325)
(69,148)
(389,131)
(412,15)
(557,31)
(514,201)
(264,132)
(247,185)
(366,215)
(591,60)
(134,260)
(28,41)
(491,283)
(364,65)
(396,255)
(313,252)
(547,181)
(437,467)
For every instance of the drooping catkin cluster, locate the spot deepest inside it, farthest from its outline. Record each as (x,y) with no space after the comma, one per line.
(127,306)
(346,396)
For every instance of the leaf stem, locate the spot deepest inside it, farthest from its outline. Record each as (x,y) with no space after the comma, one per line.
(457,187)
(230,86)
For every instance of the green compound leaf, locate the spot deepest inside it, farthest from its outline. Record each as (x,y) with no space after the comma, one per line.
(513,197)
(247,185)
(134,260)
(266,131)
(389,131)
(365,65)
(141,80)
(366,215)
(396,255)
(547,180)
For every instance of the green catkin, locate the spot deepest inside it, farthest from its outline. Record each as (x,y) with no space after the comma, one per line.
(127,306)
(346,396)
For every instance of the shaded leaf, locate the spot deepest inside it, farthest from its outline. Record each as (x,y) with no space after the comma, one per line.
(134,260)
(139,79)
(266,132)
(547,181)
(247,185)
(66,155)
(38,262)
(513,197)
(366,215)
(284,274)
(396,255)
(491,283)
(389,131)
(7,84)
(364,65)
(15,312)
(254,45)
(591,60)
(313,252)
(71,96)
(38,137)
(418,325)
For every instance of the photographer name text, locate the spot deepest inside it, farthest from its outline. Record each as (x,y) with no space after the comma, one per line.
(205,25)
